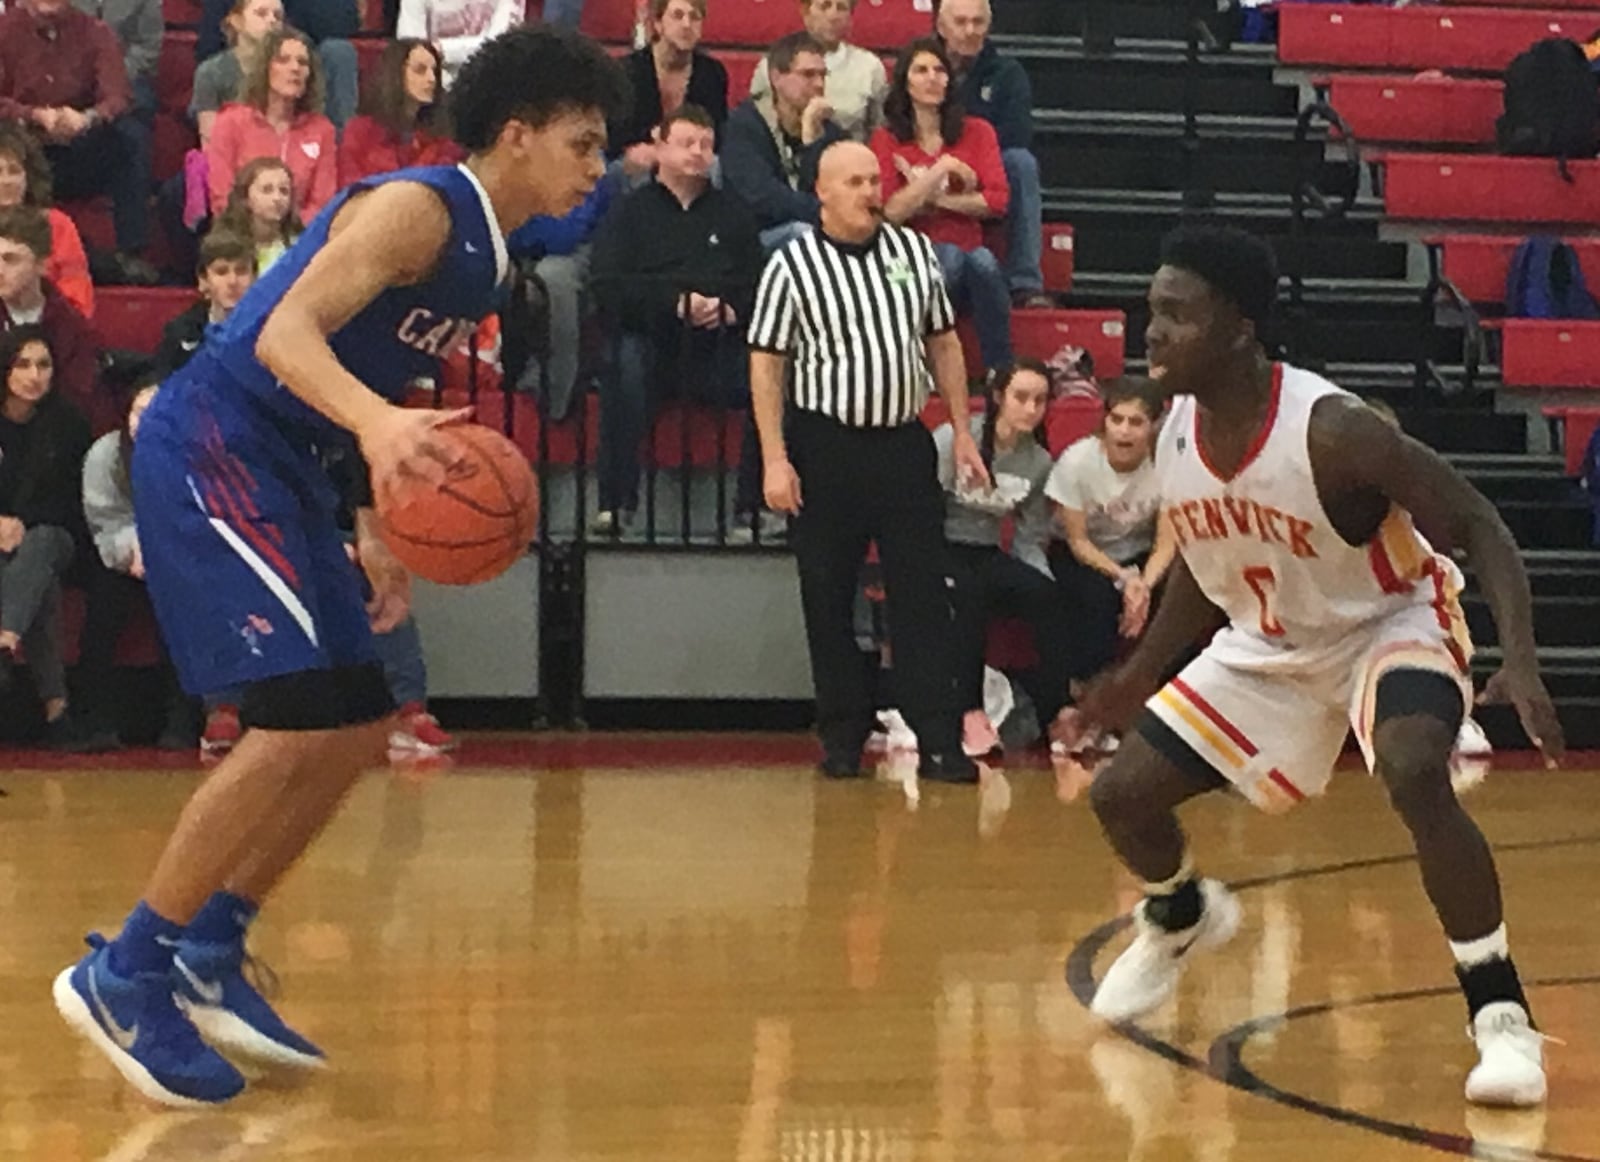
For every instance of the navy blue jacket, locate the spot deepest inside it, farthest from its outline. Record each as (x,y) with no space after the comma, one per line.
(752,169)
(997,89)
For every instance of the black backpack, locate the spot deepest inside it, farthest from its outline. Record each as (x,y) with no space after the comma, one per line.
(1552,104)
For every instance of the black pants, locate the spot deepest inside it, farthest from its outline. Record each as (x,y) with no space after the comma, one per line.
(111,599)
(1096,605)
(859,485)
(114,158)
(991,583)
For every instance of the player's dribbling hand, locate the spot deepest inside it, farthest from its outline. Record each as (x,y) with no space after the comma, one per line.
(1112,699)
(781,487)
(389,580)
(1524,689)
(402,444)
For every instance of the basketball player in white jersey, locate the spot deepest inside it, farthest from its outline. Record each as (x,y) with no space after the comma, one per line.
(1293,504)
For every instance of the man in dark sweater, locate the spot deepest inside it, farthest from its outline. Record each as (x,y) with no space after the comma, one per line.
(997,89)
(26,296)
(675,269)
(226,269)
(771,144)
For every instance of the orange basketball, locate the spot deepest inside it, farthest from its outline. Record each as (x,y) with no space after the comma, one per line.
(475,525)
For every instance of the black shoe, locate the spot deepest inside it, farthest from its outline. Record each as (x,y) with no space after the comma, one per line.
(132,270)
(8,670)
(838,765)
(72,735)
(950,767)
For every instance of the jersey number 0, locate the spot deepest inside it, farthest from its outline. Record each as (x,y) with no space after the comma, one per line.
(1263,583)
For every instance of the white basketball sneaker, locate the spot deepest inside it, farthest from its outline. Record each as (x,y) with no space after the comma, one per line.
(1147,973)
(1510,1069)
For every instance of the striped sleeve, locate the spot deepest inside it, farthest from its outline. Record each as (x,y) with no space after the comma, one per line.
(772,322)
(941,311)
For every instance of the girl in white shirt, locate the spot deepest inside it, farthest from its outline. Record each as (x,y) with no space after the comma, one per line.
(1116,550)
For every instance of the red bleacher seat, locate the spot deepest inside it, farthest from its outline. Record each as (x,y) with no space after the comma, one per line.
(1577,428)
(1456,187)
(1418,37)
(1450,111)
(1060,257)
(1550,353)
(181,12)
(1040,334)
(131,318)
(1478,263)
(175,72)
(741,65)
(369,50)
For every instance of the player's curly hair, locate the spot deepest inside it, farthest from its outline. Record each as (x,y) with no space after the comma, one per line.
(532,74)
(1237,265)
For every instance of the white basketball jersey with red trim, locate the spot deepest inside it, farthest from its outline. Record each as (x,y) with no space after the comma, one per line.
(1261,547)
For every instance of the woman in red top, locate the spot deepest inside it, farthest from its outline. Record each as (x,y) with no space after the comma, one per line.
(25,181)
(279,115)
(943,176)
(398,125)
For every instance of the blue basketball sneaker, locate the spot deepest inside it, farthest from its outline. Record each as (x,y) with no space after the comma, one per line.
(135,1022)
(230,1012)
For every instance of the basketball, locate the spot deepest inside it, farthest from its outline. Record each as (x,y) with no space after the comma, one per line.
(473,526)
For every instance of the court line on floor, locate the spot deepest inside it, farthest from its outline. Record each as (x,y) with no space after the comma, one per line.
(1081,981)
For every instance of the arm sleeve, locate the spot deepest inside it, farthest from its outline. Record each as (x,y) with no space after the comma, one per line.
(772,322)
(222,157)
(108,509)
(207,95)
(1012,107)
(68,266)
(941,311)
(747,171)
(112,93)
(880,93)
(1065,483)
(984,158)
(356,149)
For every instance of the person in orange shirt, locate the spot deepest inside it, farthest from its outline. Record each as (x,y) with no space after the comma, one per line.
(25,181)
(279,115)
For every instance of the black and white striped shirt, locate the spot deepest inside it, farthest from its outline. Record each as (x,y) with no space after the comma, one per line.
(855,318)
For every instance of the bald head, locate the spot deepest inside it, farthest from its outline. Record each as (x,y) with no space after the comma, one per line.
(850,187)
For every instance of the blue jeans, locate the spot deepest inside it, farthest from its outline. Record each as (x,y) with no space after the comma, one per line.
(563,12)
(641,379)
(1025,222)
(340,68)
(977,284)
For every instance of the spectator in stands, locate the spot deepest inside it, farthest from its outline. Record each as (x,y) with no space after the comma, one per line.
(997,89)
(261,208)
(943,176)
(116,584)
(279,114)
(857,83)
(1117,550)
(42,443)
(26,296)
(987,580)
(329,23)
(25,181)
(62,72)
(458,27)
(541,348)
(773,144)
(675,269)
(400,120)
(217,80)
(226,269)
(668,73)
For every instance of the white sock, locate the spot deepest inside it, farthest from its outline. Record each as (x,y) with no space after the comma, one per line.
(1471,953)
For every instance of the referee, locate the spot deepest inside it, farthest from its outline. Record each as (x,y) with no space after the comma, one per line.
(860,310)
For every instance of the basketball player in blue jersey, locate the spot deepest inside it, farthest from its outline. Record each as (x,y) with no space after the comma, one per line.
(244,557)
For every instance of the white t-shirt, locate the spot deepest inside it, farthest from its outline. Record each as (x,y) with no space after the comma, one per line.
(1120,508)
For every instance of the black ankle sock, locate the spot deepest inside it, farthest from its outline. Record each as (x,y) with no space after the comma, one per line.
(1178,910)
(1490,983)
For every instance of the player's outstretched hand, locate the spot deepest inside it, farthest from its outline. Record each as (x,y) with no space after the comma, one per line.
(402,445)
(1524,689)
(389,579)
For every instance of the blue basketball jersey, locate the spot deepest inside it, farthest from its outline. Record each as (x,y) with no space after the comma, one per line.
(397,338)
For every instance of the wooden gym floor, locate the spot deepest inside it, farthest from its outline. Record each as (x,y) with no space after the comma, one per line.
(678,950)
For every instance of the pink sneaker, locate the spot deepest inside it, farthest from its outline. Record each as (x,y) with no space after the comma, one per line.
(978,736)
(417,732)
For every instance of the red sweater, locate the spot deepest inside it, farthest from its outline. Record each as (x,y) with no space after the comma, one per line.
(68,265)
(68,59)
(368,148)
(979,148)
(242,133)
